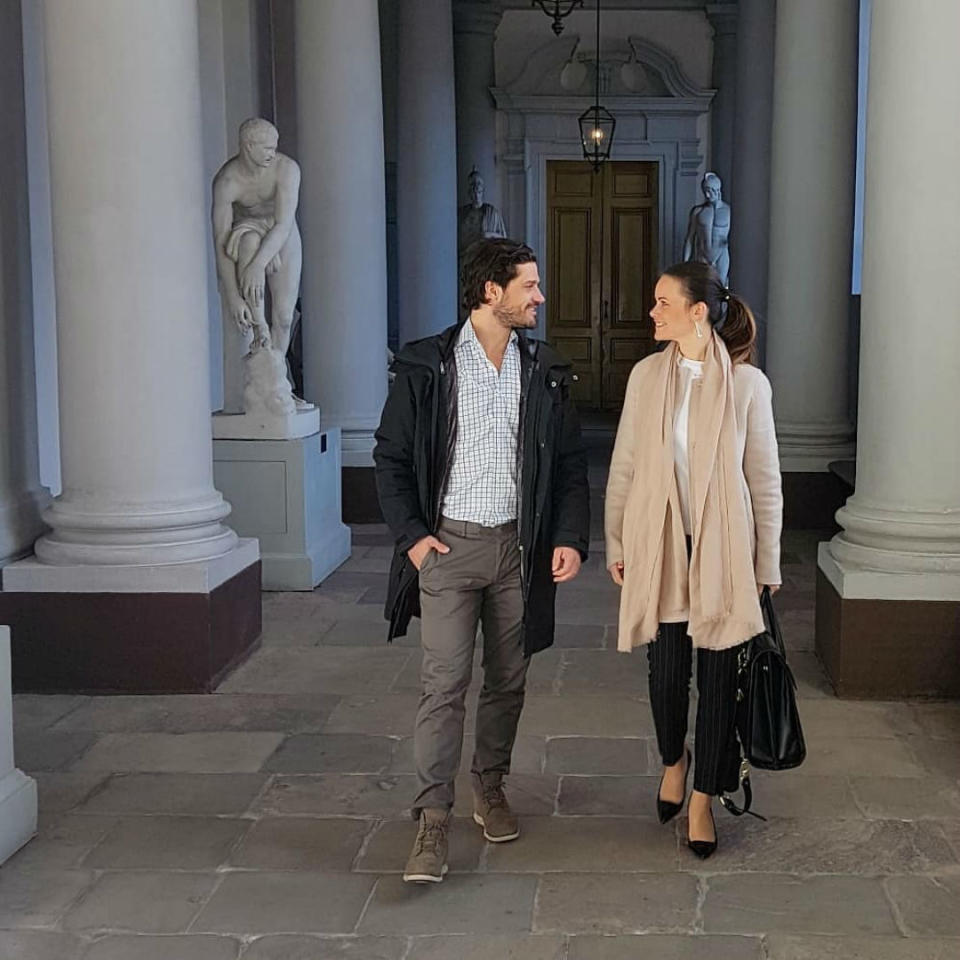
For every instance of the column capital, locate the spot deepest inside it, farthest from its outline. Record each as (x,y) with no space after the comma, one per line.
(477,16)
(723,18)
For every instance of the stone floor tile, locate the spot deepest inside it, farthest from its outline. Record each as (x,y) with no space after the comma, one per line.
(862,757)
(36,749)
(587,844)
(854,719)
(326,948)
(291,843)
(329,669)
(600,904)
(38,896)
(39,945)
(927,906)
(599,755)
(938,720)
(197,794)
(180,752)
(787,793)
(338,795)
(167,843)
(294,633)
(530,794)
(201,713)
(783,947)
(938,757)
(41,710)
(853,847)
(487,948)
(264,902)
(141,902)
(360,633)
(775,903)
(389,714)
(812,682)
(902,798)
(528,755)
(604,671)
(951,830)
(129,947)
(463,903)
(585,636)
(666,947)
(62,841)
(332,753)
(390,845)
(593,796)
(613,715)
(59,792)
(576,611)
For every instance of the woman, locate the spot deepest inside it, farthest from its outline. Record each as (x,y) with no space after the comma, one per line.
(693,518)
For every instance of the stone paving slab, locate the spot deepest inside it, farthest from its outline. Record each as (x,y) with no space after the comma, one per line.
(781,947)
(901,798)
(141,902)
(388,714)
(587,715)
(941,758)
(41,710)
(38,896)
(361,633)
(666,947)
(267,902)
(338,795)
(938,720)
(856,719)
(604,904)
(600,755)
(528,754)
(599,796)
(777,903)
(332,753)
(487,948)
(58,792)
(180,752)
(927,906)
(788,793)
(530,794)
(46,750)
(603,671)
(389,846)
(167,843)
(39,945)
(862,757)
(326,948)
(463,903)
(295,633)
(203,794)
(290,843)
(164,948)
(62,842)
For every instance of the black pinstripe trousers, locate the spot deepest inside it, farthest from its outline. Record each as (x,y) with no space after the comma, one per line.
(716,751)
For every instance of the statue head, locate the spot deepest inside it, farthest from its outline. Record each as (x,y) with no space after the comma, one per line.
(475,186)
(712,188)
(258,141)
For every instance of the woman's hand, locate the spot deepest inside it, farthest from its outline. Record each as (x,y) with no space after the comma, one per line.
(616,571)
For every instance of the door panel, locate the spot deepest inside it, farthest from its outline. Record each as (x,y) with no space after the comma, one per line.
(602,256)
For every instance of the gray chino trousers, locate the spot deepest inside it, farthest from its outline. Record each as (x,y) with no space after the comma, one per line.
(476,583)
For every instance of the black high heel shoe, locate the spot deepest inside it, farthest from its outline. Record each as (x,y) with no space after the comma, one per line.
(704,848)
(666,810)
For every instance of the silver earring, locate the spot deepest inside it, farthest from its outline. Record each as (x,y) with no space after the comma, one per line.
(699,331)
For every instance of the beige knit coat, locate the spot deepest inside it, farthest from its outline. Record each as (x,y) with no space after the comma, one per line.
(738,529)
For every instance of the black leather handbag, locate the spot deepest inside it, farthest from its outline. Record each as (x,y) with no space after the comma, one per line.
(768,723)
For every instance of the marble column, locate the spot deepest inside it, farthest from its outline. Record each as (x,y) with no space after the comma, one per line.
(889,599)
(121,593)
(342,217)
(474,31)
(723,18)
(750,231)
(426,170)
(811,229)
(21,496)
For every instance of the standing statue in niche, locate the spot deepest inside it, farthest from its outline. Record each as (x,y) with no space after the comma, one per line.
(709,231)
(255,195)
(477,219)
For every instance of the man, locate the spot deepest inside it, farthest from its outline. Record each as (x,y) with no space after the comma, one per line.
(708,231)
(256,238)
(482,480)
(476,219)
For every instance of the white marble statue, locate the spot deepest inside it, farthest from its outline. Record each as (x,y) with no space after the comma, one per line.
(477,219)
(257,242)
(708,233)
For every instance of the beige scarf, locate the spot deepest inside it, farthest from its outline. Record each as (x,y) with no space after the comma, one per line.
(716,587)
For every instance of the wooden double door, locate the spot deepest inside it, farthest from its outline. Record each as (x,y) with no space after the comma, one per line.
(602,255)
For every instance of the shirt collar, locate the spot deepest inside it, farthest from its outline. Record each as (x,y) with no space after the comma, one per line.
(469,336)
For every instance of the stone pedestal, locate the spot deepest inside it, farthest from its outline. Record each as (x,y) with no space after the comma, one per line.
(286,493)
(246,426)
(18,792)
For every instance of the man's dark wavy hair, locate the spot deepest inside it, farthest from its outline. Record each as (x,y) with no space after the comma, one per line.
(493,260)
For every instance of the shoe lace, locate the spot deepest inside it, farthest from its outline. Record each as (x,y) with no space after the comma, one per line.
(431,836)
(493,795)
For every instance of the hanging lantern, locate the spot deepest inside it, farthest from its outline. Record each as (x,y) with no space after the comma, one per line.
(597,123)
(558,10)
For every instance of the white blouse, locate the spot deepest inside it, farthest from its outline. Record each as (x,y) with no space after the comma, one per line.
(689,371)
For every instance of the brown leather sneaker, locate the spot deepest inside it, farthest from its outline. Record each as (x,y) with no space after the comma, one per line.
(428,859)
(492,812)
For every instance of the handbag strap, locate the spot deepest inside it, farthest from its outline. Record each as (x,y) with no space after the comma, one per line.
(773,621)
(730,805)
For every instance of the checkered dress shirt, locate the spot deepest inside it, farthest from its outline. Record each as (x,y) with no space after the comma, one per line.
(482,487)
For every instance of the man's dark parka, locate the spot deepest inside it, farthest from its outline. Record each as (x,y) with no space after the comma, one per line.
(413,456)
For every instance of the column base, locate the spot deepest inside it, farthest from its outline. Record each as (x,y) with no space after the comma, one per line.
(876,648)
(18,812)
(287,494)
(177,628)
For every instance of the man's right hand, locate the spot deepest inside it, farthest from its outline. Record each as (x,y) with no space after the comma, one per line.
(418,552)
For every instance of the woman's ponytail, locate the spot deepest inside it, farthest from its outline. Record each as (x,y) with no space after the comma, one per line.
(738,330)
